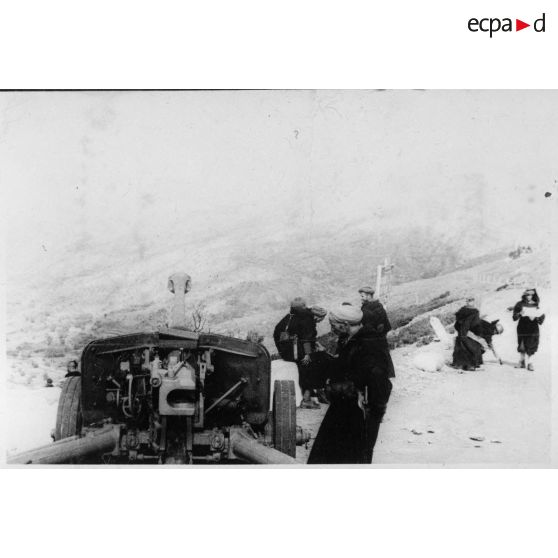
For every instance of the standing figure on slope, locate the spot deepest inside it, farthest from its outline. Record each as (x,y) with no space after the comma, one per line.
(468,348)
(529,317)
(375,325)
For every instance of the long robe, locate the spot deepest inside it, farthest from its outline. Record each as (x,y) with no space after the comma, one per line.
(348,433)
(314,374)
(527,329)
(467,353)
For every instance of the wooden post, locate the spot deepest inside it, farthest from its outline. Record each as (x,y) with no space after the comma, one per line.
(378,280)
(383,272)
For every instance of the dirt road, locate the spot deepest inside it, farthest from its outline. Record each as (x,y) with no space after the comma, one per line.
(432,417)
(509,408)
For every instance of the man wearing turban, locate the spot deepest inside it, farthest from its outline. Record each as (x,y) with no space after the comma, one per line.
(359,391)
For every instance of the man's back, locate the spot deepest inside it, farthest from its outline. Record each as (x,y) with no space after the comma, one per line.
(298,323)
(374,318)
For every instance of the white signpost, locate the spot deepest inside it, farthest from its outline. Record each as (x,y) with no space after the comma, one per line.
(383,271)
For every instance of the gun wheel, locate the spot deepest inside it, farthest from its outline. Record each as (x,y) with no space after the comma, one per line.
(68,416)
(284,417)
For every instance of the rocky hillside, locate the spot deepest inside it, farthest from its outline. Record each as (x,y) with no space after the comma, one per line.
(112,290)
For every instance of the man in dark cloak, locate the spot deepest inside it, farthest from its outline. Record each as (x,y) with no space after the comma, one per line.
(375,325)
(295,340)
(468,349)
(359,388)
(487,330)
(528,316)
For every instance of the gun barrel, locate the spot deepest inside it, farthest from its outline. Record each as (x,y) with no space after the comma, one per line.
(249,449)
(104,440)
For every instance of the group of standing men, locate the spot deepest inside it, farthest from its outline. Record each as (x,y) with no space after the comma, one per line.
(355,380)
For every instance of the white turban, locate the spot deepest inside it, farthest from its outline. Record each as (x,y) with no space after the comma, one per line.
(346,313)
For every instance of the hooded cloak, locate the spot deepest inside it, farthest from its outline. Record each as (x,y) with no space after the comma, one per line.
(467,353)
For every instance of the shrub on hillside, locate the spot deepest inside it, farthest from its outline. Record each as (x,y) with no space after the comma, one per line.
(419,332)
(55,351)
(83,339)
(403,332)
(400,317)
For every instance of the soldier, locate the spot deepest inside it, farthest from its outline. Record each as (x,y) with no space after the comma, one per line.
(294,338)
(359,388)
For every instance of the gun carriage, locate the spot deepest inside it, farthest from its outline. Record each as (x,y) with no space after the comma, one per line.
(173,396)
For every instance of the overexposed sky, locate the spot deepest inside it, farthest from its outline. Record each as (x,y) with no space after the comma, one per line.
(146,165)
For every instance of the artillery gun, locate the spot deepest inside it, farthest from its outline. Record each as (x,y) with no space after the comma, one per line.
(173,396)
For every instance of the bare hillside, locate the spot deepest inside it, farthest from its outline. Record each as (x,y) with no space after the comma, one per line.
(52,322)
